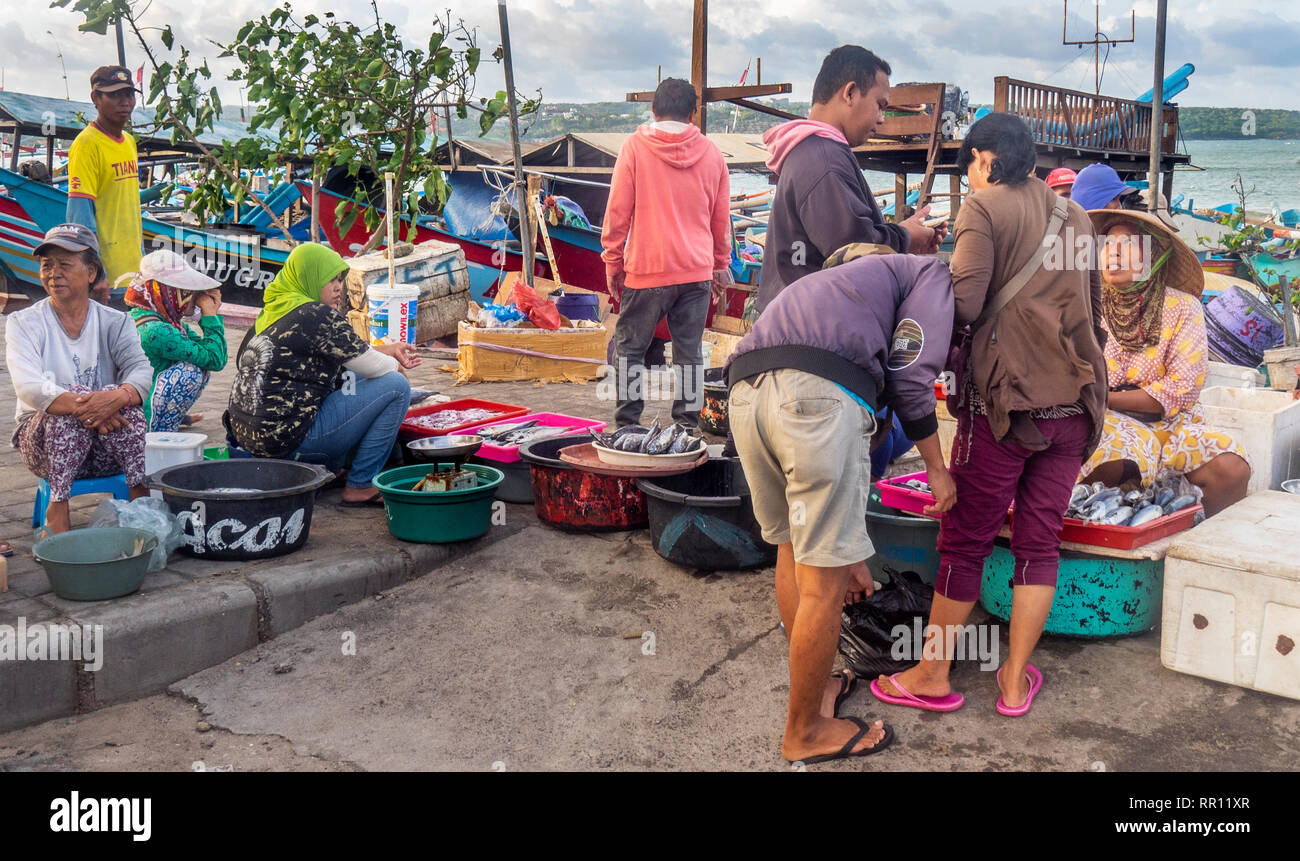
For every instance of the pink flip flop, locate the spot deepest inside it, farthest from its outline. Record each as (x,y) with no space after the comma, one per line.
(950,703)
(1035,678)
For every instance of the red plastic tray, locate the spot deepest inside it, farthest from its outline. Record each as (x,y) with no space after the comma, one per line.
(410,431)
(510,453)
(1126,537)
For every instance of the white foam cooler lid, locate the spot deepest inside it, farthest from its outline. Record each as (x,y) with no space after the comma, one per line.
(1257,534)
(174,440)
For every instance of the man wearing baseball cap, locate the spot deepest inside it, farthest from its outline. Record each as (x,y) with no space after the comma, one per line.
(1061,181)
(103,180)
(1098,186)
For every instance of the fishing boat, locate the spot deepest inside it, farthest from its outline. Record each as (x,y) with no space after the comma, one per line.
(238,258)
(487,261)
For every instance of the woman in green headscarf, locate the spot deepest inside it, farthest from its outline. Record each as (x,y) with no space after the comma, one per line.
(1156,362)
(291,397)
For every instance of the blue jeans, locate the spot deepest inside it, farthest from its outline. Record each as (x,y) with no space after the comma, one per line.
(363,415)
(895,446)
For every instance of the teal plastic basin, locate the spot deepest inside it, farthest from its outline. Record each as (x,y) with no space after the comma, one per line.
(82,564)
(437,518)
(1096,596)
(902,542)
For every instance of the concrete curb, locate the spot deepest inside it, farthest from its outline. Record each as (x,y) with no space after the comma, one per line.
(153,639)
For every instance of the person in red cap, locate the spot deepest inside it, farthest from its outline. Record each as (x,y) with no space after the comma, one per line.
(103,180)
(1061,181)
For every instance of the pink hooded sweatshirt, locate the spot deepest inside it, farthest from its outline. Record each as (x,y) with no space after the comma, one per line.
(785,137)
(669,215)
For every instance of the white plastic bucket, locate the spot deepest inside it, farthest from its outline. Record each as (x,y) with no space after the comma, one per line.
(162,450)
(392,313)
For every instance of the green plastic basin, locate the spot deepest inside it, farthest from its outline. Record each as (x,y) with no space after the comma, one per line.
(437,518)
(82,564)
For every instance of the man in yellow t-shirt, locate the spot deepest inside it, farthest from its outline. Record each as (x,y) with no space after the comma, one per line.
(103,180)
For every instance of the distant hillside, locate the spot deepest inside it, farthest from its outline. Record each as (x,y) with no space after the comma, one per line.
(1229,123)
(561,117)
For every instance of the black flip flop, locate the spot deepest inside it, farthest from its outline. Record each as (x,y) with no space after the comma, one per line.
(847,751)
(376,501)
(846,690)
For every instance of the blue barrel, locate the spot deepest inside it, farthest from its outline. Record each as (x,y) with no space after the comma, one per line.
(1240,326)
(1096,596)
(579,306)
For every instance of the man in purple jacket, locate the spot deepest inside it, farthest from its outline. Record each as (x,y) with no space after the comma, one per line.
(822,200)
(832,352)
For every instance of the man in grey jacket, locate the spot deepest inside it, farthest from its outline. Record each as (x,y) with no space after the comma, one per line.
(822,200)
(834,351)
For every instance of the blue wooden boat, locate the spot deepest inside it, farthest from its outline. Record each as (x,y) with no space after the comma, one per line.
(237,258)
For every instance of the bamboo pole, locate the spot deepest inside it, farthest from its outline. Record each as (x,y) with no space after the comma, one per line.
(388,226)
(315,202)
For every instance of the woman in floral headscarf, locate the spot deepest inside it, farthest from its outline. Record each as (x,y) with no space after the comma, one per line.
(1156,360)
(161,295)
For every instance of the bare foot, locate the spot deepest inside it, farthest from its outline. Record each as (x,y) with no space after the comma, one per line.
(58,518)
(359,494)
(1014,690)
(918,682)
(828,735)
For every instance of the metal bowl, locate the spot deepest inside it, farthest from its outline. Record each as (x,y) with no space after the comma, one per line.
(444,449)
(1292,485)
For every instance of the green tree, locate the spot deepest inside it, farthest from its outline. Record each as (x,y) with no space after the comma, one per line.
(322,90)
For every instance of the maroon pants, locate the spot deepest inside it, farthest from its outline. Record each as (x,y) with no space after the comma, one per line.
(989,475)
(60,450)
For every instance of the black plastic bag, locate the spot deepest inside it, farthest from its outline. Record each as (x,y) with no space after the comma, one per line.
(867,627)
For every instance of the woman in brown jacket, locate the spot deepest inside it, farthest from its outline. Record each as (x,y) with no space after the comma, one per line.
(1031,406)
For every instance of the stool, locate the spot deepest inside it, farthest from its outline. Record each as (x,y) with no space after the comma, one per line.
(114,484)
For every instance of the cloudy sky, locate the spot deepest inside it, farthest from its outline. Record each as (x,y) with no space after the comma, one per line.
(1246,52)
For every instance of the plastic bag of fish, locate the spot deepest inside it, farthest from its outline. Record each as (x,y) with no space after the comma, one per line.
(674,439)
(1116,506)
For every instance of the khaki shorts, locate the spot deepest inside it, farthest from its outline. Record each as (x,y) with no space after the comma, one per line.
(805,446)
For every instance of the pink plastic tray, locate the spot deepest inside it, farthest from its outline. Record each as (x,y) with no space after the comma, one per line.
(510,453)
(895,494)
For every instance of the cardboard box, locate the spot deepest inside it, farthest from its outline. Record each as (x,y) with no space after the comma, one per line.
(436,268)
(529,353)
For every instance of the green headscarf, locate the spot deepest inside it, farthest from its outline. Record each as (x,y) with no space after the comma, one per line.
(309,268)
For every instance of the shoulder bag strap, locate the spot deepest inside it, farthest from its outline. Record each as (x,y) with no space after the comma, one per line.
(1016,284)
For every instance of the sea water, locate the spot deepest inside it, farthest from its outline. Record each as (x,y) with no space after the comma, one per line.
(1271,167)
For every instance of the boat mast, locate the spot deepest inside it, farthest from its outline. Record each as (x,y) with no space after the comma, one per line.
(523,206)
(1098,38)
(1157,109)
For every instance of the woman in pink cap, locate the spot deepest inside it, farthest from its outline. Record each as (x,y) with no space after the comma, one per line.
(161,296)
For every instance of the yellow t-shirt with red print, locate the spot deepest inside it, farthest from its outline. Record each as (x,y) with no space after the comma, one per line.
(103,169)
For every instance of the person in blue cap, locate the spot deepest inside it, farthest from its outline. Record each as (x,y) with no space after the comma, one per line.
(1098,186)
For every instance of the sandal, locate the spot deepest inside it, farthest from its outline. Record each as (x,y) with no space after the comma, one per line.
(1035,678)
(848,751)
(848,683)
(950,703)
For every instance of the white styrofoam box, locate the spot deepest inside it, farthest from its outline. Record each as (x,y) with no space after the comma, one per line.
(162,450)
(1232,597)
(1281,362)
(1223,374)
(1266,423)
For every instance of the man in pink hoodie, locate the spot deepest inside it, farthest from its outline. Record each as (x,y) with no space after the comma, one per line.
(667,240)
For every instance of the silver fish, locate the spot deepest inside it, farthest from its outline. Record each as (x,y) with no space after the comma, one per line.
(1146,514)
(1133,496)
(1079,494)
(631,442)
(684,443)
(1101,495)
(649,437)
(1119,517)
(1184,501)
(662,441)
(1163,497)
(1097,487)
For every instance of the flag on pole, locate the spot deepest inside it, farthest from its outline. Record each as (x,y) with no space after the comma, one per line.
(139,76)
